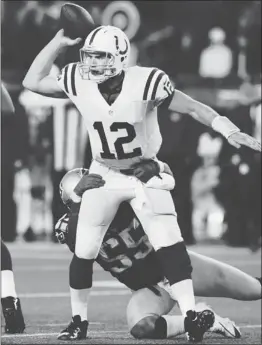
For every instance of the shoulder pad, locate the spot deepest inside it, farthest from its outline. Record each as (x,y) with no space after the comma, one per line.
(156,84)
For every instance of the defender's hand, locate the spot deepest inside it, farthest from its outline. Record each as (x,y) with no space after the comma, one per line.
(238,139)
(88,181)
(66,41)
(61,229)
(145,170)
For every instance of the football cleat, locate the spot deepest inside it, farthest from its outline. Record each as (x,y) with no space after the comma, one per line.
(76,330)
(197,323)
(225,327)
(14,320)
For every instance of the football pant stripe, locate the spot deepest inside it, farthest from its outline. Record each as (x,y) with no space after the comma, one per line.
(65,79)
(151,75)
(94,34)
(158,79)
(73,76)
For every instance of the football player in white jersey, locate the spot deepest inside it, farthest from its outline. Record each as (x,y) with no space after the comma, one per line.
(127,254)
(119,107)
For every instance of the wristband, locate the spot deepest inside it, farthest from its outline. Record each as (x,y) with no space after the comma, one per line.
(224,126)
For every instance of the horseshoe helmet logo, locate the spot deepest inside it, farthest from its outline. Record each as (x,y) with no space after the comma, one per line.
(124,15)
(121,52)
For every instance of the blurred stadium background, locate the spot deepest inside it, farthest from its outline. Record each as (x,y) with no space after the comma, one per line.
(210,49)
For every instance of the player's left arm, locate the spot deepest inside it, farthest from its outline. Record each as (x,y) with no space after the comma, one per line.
(184,104)
(179,102)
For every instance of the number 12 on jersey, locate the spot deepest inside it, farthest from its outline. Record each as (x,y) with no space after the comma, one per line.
(119,142)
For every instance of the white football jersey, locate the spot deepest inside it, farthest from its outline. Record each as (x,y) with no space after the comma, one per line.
(127,131)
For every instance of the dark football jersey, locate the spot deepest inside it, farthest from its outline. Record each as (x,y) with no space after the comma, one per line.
(126,251)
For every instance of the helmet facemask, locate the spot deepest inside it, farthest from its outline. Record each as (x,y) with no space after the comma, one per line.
(97,66)
(104,54)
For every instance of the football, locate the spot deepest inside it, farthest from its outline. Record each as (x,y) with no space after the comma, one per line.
(76,21)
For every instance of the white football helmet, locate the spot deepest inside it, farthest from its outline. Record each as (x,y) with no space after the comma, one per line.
(105,54)
(68,184)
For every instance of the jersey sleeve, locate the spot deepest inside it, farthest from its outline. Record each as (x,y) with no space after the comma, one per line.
(158,87)
(165,91)
(67,79)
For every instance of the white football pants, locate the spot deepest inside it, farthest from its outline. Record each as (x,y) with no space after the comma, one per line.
(152,203)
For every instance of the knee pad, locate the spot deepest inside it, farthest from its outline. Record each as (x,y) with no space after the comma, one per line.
(81,273)
(151,327)
(6,261)
(175,262)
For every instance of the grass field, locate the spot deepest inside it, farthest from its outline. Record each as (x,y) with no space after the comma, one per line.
(41,273)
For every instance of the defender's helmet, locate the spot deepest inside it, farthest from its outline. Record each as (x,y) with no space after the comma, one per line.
(105,54)
(68,184)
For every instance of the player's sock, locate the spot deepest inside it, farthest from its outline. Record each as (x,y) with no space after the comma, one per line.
(80,278)
(7,275)
(166,326)
(79,302)
(174,325)
(177,269)
(7,284)
(183,293)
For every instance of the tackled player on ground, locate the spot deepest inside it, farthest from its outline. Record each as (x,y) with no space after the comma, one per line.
(128,255)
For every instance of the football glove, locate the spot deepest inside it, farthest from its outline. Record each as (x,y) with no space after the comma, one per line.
(146,169)
(88,181)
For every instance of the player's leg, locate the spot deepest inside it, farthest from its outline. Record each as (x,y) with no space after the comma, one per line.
(158,218)
(14,321)
(145,308)
(97,210)
(212,278)
(147,317)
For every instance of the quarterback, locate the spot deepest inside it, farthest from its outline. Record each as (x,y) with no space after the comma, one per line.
(128,255)
(119,107)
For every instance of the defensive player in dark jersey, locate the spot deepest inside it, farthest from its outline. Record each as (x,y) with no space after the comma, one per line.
(14,321)
(128,255)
